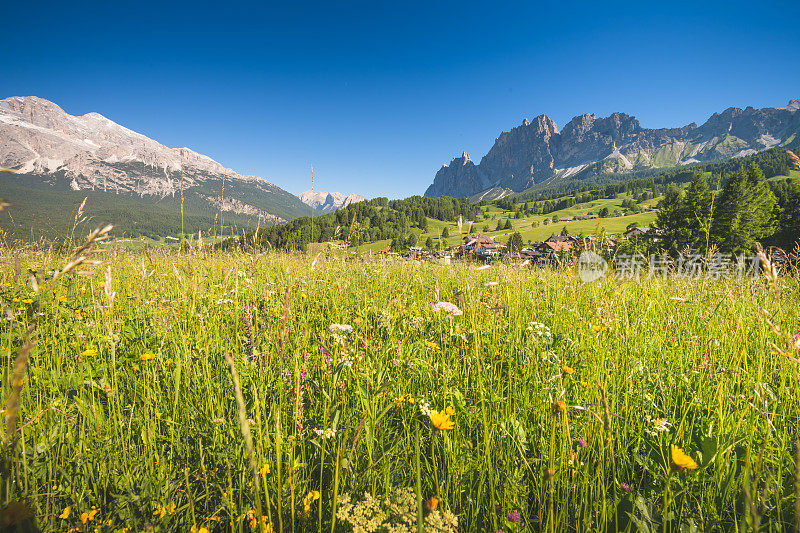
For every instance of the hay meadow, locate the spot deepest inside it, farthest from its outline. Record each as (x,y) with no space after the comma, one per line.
(230,391)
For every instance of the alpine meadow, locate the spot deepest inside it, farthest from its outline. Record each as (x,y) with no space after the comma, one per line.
(372,267)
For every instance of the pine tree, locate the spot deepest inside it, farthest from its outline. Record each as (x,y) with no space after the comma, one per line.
(696,212)
(670,218)
(508,224)
(515,242)
(745,211)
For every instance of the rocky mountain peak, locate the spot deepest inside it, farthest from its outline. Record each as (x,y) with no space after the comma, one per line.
(536,151)
(328,201)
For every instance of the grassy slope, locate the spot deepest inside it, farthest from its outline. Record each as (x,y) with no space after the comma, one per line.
(130,433)
(524,226)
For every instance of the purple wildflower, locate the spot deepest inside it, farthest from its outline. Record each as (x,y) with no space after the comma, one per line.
(513,516)
(582,442)
(625,487)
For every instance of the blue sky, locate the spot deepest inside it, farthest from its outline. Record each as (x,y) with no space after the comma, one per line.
(378,95)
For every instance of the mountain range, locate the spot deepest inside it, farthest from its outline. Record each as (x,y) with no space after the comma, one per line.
(327,202)
(536,153)
(56,155)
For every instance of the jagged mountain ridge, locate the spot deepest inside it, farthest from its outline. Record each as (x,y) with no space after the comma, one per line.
(93,153)
(328,201)
(538,152)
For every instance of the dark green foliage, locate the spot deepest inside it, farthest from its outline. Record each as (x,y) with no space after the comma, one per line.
(787,193)
(744,215)
(364,222)
(515,242)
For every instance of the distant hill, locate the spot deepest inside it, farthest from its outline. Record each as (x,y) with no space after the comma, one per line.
(537,155)
(132,180)
(327,202)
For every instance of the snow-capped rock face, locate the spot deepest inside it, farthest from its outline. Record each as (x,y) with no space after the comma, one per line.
(328,201)
(38,137)
(536,151)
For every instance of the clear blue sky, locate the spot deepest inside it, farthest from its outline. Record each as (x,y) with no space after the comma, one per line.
(378,95)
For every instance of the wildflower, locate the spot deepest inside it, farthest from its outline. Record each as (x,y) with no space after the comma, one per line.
(195,529)
(171,507)
(432,345)
(441,420)
(357,321)
(27,301)
(309,499)
(159,512)
(430,505)
(65,513)
(89,353)
(107,389)
(340,327)
(559,407)
(797,340)
(660,425)
(451,309)
(424,408)
(681,460)
(89,515)
(513,516)
(148,356)
(264,470)
(15,300)
(599,328)
(327,433)
(582,442)
(624,487)
(567,370)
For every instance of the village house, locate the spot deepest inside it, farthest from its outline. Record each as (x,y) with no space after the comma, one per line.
(638,231)
(560,238)
(482,245)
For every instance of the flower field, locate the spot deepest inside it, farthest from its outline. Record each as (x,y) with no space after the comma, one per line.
(276,392)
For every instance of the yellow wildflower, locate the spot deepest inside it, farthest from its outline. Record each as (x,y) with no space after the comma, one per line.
(149,356)
(160,512)
(171,507)
(309,499)
(599,328)
(15,300)
(681,459)
(559,407)
(264,470)
(62,299)
(27,301)
(65,513)
(357,321)
(441,420)
(567,370)
(195,529)
(89,353)
(432,345)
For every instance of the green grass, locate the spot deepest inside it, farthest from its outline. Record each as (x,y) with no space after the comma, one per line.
(491,214)
(656,362)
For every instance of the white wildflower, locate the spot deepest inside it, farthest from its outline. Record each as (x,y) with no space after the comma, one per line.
(449,308)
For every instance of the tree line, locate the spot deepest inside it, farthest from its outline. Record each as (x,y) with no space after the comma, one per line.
(746,210)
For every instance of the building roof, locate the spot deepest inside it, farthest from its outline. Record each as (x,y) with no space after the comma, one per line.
(557,246)
(560,238)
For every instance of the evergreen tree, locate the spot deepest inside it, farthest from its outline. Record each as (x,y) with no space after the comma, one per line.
(745,211)
(499,225)
(696,212)
(515,242)
(429,243)
(670,218)
(508,224)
